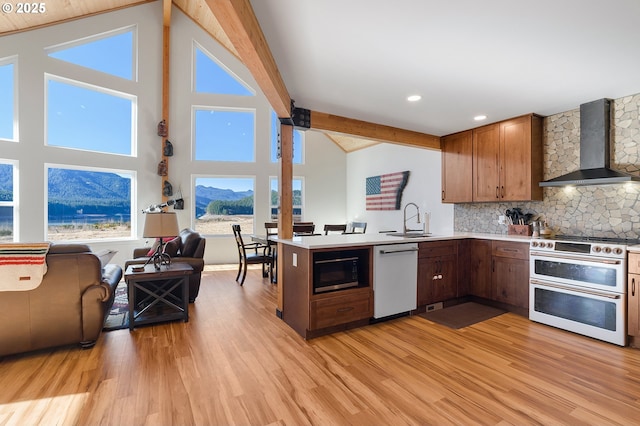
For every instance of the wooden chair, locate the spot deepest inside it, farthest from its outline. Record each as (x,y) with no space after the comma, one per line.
(335,228)
(358,227)
(304,228)
(252,254)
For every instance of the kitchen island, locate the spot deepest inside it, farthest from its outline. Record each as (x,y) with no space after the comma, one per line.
(313,306)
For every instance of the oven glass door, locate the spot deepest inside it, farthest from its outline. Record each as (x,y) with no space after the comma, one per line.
(596,273)
(591,313)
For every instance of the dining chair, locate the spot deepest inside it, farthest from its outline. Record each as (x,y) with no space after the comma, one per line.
(304,228)
(335,228)
(358,227)
(271,229)
(252,254)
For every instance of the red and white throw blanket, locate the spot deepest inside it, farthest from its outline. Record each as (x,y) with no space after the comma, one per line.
(22,265)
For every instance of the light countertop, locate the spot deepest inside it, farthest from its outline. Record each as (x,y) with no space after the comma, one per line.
(352,240)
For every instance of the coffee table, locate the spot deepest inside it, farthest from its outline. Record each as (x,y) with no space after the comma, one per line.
(152,295)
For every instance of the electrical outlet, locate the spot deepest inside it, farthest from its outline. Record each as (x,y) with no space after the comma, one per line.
(501,219)
(294,260)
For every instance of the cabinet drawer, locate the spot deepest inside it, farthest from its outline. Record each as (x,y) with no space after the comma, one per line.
(339,310)
(634,263)
(510,249)
(437,248)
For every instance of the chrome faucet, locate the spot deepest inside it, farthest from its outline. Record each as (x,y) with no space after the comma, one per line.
(417,215)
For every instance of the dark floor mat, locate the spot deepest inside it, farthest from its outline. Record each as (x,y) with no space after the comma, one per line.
(463,315)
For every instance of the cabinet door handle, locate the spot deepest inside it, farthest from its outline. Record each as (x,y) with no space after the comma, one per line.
(347,309)
(497,192)
(633,286)
(443,195)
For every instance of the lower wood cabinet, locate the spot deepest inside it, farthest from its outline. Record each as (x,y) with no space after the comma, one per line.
(340,308)
(437,271)
(480,269)
(311,314)
(510,272)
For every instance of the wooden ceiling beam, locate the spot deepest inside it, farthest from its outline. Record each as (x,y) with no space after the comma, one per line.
(378,132)
(239,22)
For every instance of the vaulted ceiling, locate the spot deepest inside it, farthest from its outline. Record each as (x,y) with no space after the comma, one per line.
(353,63)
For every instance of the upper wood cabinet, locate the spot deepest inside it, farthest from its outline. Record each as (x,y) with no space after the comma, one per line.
(503,164)
(508,160)
(457,167)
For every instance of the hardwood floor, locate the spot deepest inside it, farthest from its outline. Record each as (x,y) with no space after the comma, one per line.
(235,362)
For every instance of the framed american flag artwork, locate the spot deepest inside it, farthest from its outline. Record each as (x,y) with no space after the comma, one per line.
(384,192)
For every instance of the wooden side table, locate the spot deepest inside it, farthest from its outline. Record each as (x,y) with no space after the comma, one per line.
(155,290)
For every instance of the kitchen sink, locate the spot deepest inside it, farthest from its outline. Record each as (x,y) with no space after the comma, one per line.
(413,234)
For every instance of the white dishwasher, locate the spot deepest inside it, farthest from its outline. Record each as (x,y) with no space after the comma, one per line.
(395,279)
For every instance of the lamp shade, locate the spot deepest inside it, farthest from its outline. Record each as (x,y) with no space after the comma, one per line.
(161,224)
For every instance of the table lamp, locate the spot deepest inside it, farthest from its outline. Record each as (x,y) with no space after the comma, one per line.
(160,225)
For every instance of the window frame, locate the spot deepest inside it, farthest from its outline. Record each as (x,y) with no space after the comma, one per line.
(133,198)
(196,108)
(277,207)
(97,37)
(13,60)
(194,179)
(15,197)
(100,89)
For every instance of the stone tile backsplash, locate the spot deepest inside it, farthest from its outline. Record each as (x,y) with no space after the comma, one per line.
(602,210)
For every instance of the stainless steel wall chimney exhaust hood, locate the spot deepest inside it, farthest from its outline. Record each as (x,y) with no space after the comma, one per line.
(595,156)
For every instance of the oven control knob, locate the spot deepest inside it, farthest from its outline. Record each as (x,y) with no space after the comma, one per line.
(607,250)
(597,249)
(617,250)
(550,245)
(534,244)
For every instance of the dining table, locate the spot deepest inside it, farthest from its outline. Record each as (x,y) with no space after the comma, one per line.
(272,244)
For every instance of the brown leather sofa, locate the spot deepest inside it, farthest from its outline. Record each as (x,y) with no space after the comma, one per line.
(68,307)
(188,248)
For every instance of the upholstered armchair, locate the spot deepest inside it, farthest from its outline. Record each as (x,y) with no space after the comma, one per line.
(188,247)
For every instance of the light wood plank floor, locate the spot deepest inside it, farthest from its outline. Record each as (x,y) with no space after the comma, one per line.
(235,362)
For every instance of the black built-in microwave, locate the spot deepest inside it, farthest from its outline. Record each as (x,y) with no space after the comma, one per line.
(337,270)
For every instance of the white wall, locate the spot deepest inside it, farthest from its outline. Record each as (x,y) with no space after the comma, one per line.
(423,188)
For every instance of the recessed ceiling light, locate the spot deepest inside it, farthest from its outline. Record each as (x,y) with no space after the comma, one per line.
(480,117)
(414,98)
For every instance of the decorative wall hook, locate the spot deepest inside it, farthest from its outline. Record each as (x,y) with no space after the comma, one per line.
(162,129)
(167,190)
(168,148)
(162,168)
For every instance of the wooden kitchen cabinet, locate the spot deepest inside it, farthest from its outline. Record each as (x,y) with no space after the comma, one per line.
(633,299)
(480,269)
(507,160)
(510,273)
(312,315)
(457,167)
(437,271)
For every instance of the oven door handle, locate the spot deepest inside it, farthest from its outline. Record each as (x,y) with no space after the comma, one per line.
(578,258)
(577,290)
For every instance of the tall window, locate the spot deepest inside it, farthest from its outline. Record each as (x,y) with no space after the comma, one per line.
(274,203)
(223,201)
(7,177)
(298,141)
(224,134)
(84,117)
(87,204)
(7,100)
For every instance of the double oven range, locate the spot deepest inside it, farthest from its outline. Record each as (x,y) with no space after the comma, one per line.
(579,284)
